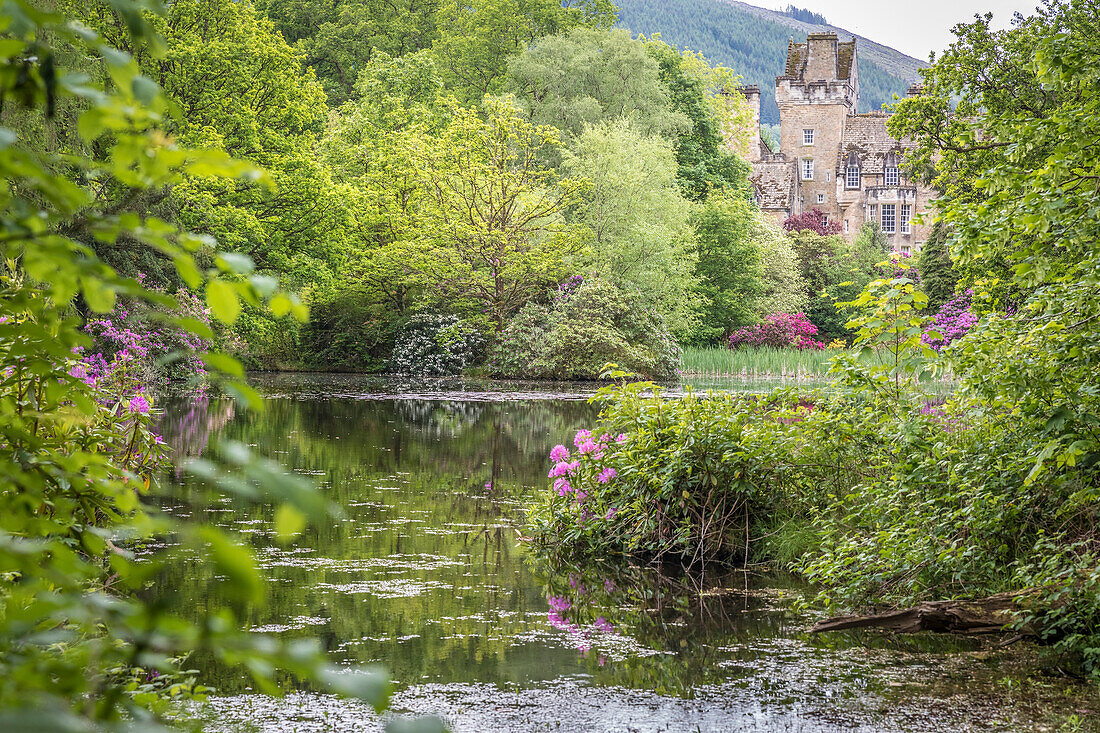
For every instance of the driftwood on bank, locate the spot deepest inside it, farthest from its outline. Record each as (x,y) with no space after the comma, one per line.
(991,615)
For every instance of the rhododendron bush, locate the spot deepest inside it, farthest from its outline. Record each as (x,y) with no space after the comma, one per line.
(137,347)
(954,321)
(637,484)
(589,324)
(778,331)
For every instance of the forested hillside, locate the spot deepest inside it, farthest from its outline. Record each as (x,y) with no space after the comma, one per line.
(754,42)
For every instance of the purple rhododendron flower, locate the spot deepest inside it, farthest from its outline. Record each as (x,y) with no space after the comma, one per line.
(139,404)
(621,439)
(581,436)
(606,475)
(953,322)
(559,453)
(561,604)
(562,486)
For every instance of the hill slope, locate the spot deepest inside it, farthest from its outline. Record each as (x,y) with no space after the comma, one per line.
(753,42)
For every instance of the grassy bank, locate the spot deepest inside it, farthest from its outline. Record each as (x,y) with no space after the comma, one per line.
(713,361)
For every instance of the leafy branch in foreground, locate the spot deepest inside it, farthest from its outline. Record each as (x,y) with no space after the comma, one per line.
(79,648)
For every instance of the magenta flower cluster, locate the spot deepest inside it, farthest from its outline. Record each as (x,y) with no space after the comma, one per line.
(778,331)
(572,474)
(954,321)
(131,343)
(140,404)
(567,287)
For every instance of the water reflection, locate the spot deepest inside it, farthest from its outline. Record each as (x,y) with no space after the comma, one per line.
(424,574)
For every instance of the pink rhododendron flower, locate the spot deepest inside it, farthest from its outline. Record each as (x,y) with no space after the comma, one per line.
(606,475)
(563,469)
(562,486)
(139,404)
(777,331)
(621,439)
(559,453)
(581,436)
(561,604)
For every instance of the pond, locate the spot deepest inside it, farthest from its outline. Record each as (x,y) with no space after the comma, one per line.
(426,574)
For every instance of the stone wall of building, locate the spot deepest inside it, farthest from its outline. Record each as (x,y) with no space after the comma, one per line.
(819,92)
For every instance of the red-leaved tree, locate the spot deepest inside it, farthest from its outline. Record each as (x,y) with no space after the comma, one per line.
(814,220)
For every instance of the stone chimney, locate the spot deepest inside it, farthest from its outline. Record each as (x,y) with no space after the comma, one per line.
(915,90)
(821,57)
(752,96)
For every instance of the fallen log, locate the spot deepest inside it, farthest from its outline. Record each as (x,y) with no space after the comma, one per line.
(991,615)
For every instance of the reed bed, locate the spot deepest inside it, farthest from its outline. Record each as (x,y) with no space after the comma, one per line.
(715,361)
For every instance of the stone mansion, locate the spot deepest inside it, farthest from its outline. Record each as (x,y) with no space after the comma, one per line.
(830,157)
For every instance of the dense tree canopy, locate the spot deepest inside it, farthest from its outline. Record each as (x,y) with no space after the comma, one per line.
(637,218)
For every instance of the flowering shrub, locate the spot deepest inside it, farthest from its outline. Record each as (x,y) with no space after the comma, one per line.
(435,345)
(137,348)
(779,330)
(953,322)
(640,485)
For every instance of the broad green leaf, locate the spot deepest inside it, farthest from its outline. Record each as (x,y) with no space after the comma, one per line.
(370,684)
(223,302)
(289,522)
(222,363)
(235,562)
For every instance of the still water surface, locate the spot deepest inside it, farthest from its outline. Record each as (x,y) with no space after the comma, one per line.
(425,574)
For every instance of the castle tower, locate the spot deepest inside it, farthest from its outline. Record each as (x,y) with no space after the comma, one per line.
(817,92)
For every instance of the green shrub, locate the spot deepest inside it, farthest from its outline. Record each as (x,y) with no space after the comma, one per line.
(348,332)
(582,331)
(691,476)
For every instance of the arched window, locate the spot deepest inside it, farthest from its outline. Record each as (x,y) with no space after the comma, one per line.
(890,170)
(851,171)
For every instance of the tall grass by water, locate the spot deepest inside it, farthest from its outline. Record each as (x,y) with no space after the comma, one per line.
(760,362)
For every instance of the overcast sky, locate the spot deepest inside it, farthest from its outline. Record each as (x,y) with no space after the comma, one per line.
(914,27)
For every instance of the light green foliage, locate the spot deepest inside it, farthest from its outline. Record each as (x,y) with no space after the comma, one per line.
(888,325)
(784,288)
(476,39)
(833,269)
(587,77)
(493,233)
(76,641)
(640,236)
(582,331)
(729,265)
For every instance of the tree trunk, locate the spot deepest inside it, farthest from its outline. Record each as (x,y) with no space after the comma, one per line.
(991,615)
